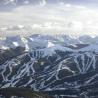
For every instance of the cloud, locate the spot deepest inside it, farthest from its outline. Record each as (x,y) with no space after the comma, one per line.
(43,2)
(51,18)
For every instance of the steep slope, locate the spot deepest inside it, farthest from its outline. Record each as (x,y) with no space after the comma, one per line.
(51,66)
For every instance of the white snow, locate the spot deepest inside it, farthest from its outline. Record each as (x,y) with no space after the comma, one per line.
(50,44)
(16,44)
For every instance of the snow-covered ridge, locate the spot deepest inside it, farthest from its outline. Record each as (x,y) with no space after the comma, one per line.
(51,43)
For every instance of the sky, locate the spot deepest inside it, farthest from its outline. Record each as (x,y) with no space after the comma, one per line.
(75,17)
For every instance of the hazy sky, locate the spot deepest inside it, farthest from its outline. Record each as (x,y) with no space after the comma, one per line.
(76,17)
(90,3)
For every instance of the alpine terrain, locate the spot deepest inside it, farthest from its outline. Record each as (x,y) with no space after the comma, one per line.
(61,66)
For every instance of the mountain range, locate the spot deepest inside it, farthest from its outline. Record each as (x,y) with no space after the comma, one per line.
(61,66)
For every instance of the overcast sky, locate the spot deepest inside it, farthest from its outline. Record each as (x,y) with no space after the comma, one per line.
(76,17)
(91,3)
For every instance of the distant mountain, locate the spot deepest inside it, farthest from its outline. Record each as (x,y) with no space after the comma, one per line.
(60,66)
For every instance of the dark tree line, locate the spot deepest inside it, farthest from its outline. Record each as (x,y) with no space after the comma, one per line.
(21,92)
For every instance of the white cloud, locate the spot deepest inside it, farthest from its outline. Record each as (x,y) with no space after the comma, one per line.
(51,18)
(77,25)
(36,26)
(68,5)
(43,3)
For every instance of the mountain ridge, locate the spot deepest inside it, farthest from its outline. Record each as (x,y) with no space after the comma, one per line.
(51,65)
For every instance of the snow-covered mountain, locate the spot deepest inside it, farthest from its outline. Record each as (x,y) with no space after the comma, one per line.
(59,66)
